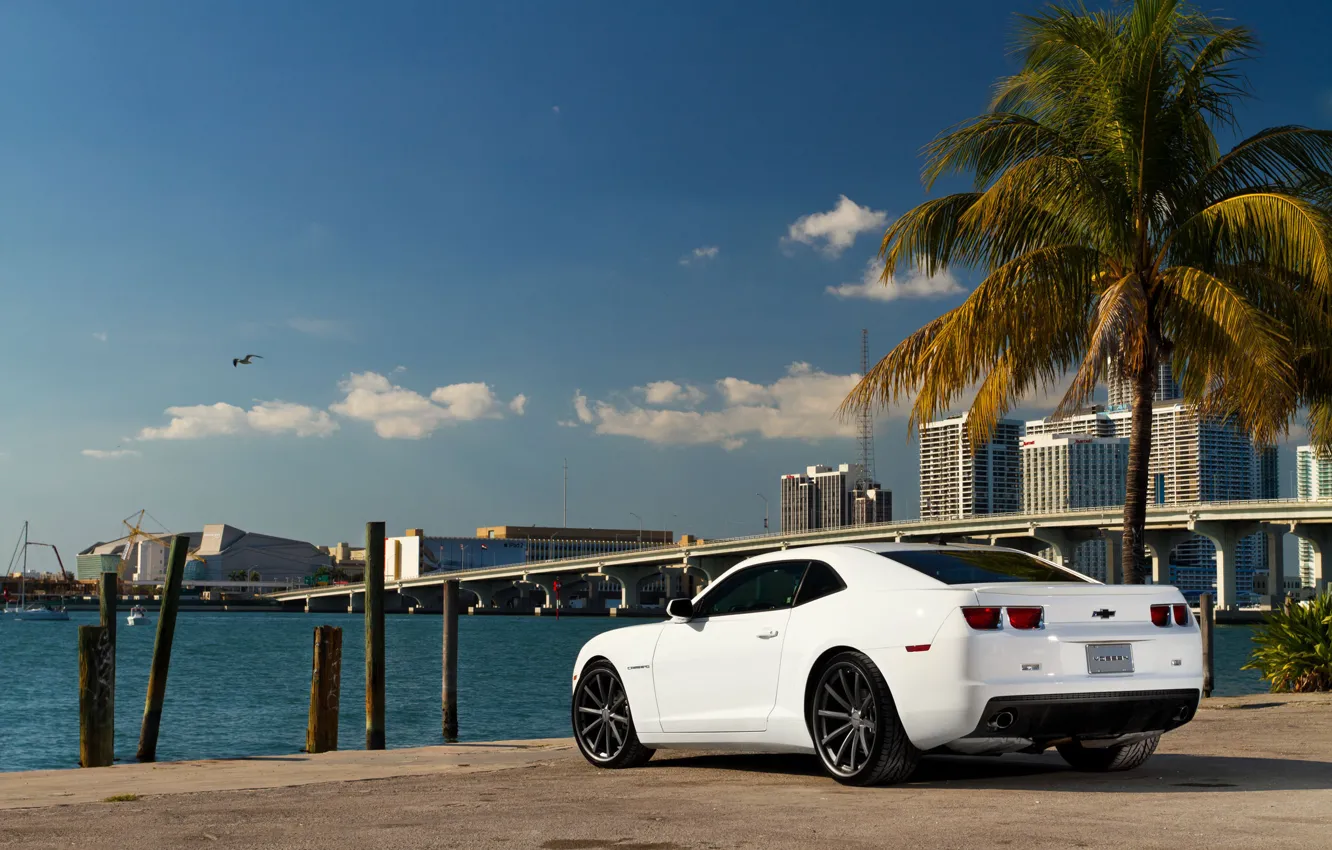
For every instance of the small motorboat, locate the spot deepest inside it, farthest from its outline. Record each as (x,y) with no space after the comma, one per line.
(137,617)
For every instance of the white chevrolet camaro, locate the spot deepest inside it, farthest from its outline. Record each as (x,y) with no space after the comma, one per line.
(870,655)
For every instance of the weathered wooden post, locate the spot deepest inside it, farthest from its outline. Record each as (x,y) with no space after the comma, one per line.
(1205,622)
(449,695)
(106,604)
(321,733)
(374,635)
(97,697)
(166,633)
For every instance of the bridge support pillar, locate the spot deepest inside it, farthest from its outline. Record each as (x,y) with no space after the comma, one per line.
(1062,540)
(594,600)
(629,579)
(325,604)
(1319,538)
(1226,536)
(1159,544)
(485,591)
(355,603)
(1273,558)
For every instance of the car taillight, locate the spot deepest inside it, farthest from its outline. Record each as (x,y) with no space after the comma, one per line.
(1161,615)
(982,618)
(1181,615)
(1025,618)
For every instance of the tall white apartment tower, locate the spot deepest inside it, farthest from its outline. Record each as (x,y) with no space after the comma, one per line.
(957,482)
(1063,472)
(1313,481)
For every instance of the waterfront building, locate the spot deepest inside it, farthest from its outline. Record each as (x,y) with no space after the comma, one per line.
(145,561)
(956,481)
(1062,472)
(1120,390)
(828,497)
(1313,481)
(216,553)
(89,567)
(1193,459)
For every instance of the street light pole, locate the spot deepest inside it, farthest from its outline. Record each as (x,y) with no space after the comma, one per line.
(765,510)
(640,526)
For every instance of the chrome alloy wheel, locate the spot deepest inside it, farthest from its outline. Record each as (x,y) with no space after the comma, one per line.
(846,719)
(602,715)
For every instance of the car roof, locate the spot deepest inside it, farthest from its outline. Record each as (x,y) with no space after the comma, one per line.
(852,562)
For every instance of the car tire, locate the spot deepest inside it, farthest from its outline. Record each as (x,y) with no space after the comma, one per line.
(602,723)
(1105,759)
(854,724)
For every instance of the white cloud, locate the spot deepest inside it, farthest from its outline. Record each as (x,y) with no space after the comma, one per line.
(403,414)
(834,231)
(555,109)
(519,404)
(567,423)
(667,392)
(100,336)
(580,407)
(109,454)
(914,285)
(800,405)
(700,255)
(197,421)
(398,370)
(327,328)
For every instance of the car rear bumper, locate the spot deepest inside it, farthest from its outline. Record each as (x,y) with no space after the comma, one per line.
(1105,714)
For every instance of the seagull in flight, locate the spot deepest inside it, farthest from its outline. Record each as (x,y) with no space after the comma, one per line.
(244,361)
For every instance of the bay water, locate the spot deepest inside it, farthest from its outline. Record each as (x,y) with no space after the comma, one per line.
(239,683)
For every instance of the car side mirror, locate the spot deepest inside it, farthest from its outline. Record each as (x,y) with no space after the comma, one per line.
(681,609)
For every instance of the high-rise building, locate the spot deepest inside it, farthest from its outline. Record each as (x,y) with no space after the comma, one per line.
(1120,390)
(958,482)
(1063,472)
(1313,481)
(1192,460)
(824,497)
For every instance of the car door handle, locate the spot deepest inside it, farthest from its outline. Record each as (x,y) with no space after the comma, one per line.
(770,633)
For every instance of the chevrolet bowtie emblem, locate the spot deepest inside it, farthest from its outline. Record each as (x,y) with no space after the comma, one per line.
(1104,613)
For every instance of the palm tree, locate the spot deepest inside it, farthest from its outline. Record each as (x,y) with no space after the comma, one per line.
(1113,235)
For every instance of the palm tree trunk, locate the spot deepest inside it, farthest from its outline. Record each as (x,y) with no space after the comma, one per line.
(1135,489)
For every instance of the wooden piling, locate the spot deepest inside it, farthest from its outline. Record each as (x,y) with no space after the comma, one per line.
(374,635)
(107,595)
(97,697)
(166,633)
(321,733)
(1206,622)
(449,693)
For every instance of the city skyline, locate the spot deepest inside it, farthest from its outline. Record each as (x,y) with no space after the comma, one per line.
(357,205)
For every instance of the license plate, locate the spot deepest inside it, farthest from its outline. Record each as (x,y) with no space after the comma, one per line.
(1110,658)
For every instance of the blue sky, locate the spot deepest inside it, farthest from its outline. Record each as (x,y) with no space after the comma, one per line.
(439,222)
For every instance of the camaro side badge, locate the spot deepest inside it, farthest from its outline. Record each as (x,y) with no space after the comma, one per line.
(1104,613)
(640,667)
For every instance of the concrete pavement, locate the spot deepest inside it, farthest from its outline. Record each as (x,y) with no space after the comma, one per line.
(1248,773)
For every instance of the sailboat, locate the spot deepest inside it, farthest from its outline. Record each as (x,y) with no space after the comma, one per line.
(29,611)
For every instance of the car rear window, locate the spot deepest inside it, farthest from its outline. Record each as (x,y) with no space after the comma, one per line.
(955,566)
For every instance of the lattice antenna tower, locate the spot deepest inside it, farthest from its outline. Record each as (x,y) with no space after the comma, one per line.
(865,421)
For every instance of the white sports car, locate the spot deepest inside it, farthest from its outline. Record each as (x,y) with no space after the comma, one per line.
(870,655)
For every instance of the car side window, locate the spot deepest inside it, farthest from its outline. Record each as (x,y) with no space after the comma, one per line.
(766,587)
(820,581)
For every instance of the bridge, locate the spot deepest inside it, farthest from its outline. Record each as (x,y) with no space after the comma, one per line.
(1224,523)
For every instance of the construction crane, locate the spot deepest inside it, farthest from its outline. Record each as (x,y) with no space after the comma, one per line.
(64,576)
(136,534)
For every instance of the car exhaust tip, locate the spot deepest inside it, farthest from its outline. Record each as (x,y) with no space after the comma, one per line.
(1002,720)
(1183,713)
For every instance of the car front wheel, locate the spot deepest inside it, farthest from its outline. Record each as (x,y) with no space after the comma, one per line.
(1104,759)
(603,725)
(855,726)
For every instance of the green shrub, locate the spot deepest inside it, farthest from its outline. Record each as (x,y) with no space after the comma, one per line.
(1293,650)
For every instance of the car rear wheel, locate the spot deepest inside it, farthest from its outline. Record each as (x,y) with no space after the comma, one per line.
(1104,759)
(603,725)
(855,726)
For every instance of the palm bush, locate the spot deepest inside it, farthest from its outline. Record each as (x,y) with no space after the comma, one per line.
(1293,650)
